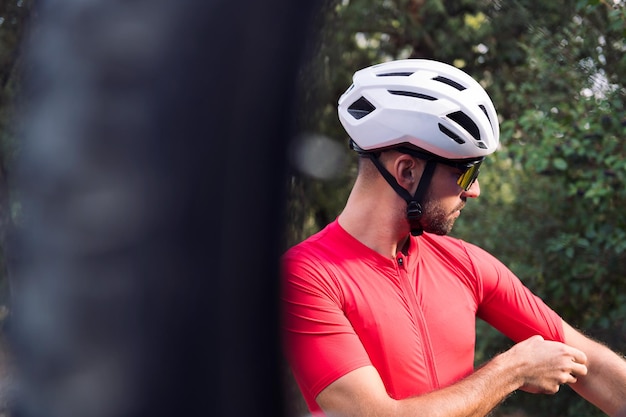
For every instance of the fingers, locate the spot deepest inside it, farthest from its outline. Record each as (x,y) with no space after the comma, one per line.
(579,369)
(550,364)
(578,365)
(579,356)
(573,364)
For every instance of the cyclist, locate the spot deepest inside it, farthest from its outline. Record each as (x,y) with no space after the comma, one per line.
(379,307)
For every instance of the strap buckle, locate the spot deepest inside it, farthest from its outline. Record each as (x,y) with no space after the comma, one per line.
(413,210)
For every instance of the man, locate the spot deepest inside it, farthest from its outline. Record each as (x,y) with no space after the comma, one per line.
(380,306)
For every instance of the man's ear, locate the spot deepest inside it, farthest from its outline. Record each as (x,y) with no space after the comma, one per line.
(408,170)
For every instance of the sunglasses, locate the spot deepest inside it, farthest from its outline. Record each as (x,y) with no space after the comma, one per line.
(469,168)
(469,174)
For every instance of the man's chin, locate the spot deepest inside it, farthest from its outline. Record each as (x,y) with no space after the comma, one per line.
(441,231)
(441,228)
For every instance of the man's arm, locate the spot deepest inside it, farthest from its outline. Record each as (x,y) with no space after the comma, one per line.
(605,383)
(535,365)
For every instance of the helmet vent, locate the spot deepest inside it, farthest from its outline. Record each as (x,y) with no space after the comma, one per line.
(481,145)
(361,108)
(452,135)
(485,111)
(466,122)
(395,74)
(449,82)
(412,94)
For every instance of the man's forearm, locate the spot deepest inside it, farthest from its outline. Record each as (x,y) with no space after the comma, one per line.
(535,365)
(605,383)
(361,393)
(474,396)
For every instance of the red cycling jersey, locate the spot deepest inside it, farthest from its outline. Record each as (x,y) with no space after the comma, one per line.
(413,318)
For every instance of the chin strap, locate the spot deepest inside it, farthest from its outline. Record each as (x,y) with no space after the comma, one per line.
(413,202)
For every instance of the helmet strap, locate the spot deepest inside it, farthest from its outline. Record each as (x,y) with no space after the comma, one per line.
(413,202)
(414,207)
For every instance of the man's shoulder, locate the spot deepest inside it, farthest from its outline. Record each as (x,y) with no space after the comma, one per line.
(453,247)
(323,242)
(445,241)
(461,251)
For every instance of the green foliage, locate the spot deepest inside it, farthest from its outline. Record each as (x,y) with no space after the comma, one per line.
(564,228)
(14,15)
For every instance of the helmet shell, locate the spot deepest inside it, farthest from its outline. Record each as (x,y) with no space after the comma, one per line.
(428,104)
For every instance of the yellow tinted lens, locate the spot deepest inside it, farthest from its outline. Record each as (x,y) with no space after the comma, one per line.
(467,178)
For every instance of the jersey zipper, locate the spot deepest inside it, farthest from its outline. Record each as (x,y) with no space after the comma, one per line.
(418,319)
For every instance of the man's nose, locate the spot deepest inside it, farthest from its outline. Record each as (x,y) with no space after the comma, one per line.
(474,190)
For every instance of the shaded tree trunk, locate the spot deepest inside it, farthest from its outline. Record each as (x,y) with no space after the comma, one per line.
(151,179)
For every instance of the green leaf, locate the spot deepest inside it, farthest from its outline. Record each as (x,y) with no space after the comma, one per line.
(560,164)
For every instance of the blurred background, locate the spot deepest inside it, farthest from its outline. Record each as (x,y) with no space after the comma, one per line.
(551,204)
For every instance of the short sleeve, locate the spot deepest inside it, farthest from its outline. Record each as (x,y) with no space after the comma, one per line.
(508,305)
(319,341)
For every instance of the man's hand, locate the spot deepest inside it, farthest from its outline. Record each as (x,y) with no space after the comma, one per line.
(545,365)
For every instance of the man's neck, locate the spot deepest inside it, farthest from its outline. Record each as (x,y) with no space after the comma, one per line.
(376,222)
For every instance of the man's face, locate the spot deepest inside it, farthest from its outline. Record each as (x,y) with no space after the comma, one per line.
(445,200)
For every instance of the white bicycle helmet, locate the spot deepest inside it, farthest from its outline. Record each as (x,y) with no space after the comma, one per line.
(428,104)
